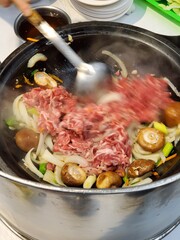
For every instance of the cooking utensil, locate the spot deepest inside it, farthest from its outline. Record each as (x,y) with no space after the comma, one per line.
(171,166)
(91,78)
(74,213)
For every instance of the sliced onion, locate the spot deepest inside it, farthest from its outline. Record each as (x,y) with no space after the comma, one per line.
(49,142)
(73,158)
(172,134)
(48,156)
(21,114)
(24,114)
(177,139)
(29,164)
(57,174)
(44,80)
(142,182)
(154,156)
(41,147)
(36,58)
(121,64)
(16,111)
(137,148)
(171,85)
(49,177)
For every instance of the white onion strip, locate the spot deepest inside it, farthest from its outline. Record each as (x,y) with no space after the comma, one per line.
(24,114)
(29,164)
(171,85)
(21,114)
(51,158)
(142,182)
(121,64)
(57,175)
(16,107)
(73,158)
(36,58)
(41,147)
(49,142)
(154,156)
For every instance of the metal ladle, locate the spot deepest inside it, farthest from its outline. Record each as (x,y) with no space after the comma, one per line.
(90,78)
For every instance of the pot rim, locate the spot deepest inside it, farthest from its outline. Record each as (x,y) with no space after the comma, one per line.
(65,31)
(44,186)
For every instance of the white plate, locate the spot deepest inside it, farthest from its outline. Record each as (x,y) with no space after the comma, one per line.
(93,15)
(104,9)
(101,14)
(98,2)
(120,8)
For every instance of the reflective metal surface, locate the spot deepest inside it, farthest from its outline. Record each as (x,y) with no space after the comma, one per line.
(46,212)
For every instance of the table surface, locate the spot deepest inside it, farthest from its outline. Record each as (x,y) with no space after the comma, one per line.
(143,16)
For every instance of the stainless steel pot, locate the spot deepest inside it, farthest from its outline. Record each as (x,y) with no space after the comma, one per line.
(40,211)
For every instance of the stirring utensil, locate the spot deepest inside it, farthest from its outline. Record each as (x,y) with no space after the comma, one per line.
(170,167)
(91,78)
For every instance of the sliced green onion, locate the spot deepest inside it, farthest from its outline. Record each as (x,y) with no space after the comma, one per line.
(33,72)
(125,178)
(32,111)
(158,162)
(167,149)
(90,180)
(161,127)
(42,168)
(11,122)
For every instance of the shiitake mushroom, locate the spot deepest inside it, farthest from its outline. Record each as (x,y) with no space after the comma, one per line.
(73,175)
(26,139)
(139,167)
(171,115)
(108,179)
(151,139)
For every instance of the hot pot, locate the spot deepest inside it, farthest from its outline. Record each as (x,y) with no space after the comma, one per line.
(39,211)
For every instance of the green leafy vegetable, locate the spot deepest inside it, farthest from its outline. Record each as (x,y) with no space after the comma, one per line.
(173,5)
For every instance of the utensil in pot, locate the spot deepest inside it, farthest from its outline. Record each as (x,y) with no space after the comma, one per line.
(170,167)
(91,78)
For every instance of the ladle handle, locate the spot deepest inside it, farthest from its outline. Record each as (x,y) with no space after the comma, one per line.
(48,32)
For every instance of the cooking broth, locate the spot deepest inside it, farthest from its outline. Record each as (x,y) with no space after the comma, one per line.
(27,30)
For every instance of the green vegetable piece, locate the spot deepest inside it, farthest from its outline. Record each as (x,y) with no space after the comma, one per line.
(11,122)
(125,178)
(167,149)
(42,168)
(32,111)
(33,72)
(158,162)
(161,127)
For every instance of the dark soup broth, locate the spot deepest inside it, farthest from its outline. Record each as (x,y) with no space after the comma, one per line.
(27,30)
